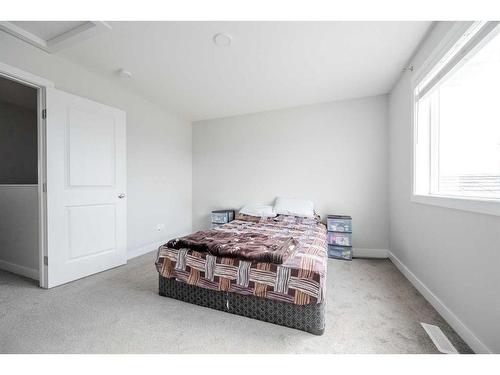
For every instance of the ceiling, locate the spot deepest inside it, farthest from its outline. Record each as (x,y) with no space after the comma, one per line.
(269,65)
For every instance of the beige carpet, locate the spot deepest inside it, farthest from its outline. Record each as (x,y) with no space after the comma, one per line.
(371,308)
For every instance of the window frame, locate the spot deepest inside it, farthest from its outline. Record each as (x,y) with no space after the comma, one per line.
(462,40)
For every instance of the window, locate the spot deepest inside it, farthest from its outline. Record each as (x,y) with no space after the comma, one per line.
(457,120)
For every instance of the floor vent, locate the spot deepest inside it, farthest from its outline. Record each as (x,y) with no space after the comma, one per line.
(439,339)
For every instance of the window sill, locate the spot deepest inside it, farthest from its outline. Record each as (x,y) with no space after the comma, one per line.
(477,205)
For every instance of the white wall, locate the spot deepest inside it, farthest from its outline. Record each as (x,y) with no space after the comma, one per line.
(158,144)
(334,154)
(18,189)
(18,144)
(454,256)
(19,229)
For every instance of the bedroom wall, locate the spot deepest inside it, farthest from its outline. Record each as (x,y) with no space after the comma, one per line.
(451,256)
(18,144)
(18,189)
(158,144)
(315,152)
(19,229)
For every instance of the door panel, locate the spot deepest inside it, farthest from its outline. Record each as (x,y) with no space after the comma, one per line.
(86,172)
(94,133)
(91,230)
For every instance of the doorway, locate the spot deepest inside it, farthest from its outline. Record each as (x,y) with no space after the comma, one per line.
(80,183)
(19,198)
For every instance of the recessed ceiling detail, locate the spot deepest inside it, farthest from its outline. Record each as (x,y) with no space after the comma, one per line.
(52,36)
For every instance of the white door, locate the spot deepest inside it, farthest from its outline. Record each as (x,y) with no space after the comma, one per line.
(86,181)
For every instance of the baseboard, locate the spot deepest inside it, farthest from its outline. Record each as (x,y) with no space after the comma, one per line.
(465,333)
(369,253)
(134,253)
(19,270)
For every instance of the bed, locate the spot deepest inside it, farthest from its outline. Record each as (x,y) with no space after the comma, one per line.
(291,294)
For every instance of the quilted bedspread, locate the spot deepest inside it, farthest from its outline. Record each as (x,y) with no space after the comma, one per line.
(300,279)
(251,246)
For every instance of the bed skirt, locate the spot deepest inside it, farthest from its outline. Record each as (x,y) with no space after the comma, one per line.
(309,318)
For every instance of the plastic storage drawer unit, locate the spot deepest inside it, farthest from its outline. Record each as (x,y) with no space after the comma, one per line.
(339,224)
(339,238)
(222,216)
(340,252)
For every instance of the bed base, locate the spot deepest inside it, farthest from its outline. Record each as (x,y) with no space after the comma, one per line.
(309,318)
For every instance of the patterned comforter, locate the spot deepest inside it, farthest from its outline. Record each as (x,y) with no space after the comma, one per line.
(300,279)
(252,246)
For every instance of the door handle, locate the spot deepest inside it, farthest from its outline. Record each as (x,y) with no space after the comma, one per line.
(121,195)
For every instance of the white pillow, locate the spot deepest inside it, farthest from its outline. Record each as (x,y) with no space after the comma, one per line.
(294,206)
(261,210)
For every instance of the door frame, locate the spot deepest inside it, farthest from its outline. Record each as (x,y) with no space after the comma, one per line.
(40,84)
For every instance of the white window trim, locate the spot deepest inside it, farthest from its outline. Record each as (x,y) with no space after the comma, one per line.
(445,45)
(486,206)
(477,205)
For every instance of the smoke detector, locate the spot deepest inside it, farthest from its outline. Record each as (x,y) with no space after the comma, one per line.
(222,40)
(123,73)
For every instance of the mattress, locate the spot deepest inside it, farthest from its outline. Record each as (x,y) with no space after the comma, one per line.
(299,280)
